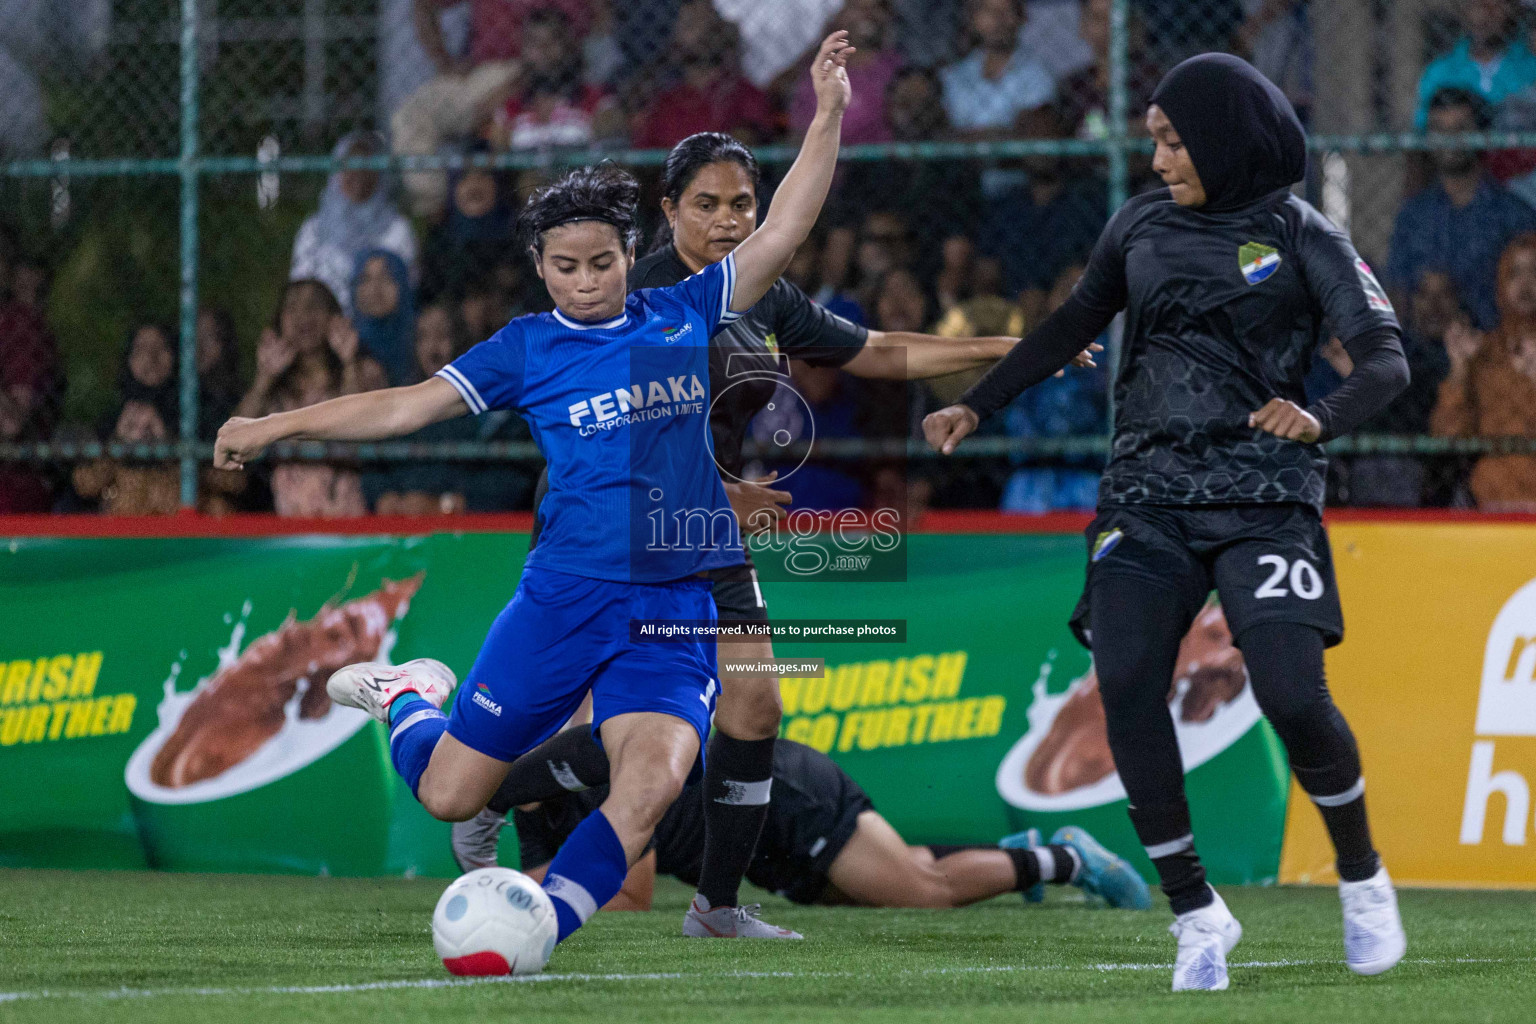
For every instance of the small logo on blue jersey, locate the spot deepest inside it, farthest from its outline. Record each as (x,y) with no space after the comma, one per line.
(1257,261)
(484,701)
(671,334)
(1107,541)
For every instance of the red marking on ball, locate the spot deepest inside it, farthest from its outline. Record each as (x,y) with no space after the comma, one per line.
(478,964)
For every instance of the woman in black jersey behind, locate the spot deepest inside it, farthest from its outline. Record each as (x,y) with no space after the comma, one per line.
(710,200)
(1215,477)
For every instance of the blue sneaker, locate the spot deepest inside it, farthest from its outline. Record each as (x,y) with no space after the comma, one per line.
(1103,873)
(1026,840)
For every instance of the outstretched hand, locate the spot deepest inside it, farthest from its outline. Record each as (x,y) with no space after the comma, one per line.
(948,427)
(757,506)
(829,74)
(1084,359)
(239,441)
(1287,420)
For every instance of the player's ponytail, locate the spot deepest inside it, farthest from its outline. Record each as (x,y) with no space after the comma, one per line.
(691,156)
(605,193)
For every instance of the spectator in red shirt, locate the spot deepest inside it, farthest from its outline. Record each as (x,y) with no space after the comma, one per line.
(872,68)
(458,104)
(551,104)
(711,95)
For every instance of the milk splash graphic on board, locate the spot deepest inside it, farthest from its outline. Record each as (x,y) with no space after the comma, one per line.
(276,739)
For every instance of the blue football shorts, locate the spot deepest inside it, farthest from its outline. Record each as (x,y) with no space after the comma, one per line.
(562,635)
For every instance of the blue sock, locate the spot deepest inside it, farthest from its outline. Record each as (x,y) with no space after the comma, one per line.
(587,872)
(414,727)
(408,701)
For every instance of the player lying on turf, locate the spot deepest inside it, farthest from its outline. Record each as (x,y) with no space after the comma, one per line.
(823,841)
(1228,283)
(612,384)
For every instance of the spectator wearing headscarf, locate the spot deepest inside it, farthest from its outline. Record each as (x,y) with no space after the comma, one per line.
(147,412)
(478,233)
(357,213)
(384,313)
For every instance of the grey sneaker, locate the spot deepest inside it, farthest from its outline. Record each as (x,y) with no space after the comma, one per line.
(705,922)
(474,841)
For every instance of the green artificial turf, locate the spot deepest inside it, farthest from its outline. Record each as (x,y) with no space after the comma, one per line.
(108,946)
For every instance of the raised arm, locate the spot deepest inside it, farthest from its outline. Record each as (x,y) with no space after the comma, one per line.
(368,416)
(797,203)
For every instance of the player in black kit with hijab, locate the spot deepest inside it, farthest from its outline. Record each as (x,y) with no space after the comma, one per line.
(710,198)
(1215,477)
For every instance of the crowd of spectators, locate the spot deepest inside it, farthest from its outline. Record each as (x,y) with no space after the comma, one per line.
(395,274)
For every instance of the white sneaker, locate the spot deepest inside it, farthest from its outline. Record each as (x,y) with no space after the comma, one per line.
(705,922)
(475,840)
(373,686)
(1205,937)
(1374,940)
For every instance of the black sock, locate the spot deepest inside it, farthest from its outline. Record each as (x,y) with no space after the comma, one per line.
(1170,843)
(567,762)
(1347,824)
(738,776)
(1027,873)
(1285,665)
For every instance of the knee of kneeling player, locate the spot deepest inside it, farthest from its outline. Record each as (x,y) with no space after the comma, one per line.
(923,887)
(750,708)
(933,893)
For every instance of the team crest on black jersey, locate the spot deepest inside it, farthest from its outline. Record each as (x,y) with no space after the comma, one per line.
(1106,542)
(1257,261)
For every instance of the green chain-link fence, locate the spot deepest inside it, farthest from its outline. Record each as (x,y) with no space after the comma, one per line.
(158,159)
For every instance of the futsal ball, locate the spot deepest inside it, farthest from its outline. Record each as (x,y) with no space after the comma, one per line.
(494,921)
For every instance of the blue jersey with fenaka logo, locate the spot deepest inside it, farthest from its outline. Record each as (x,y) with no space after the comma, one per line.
(620,410)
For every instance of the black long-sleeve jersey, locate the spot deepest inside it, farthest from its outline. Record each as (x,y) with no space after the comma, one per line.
(1224,311)
(749,358)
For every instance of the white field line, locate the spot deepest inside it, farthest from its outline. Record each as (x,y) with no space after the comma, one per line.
(435,983)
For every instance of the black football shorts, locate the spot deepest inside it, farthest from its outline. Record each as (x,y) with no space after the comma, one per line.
(1268,563)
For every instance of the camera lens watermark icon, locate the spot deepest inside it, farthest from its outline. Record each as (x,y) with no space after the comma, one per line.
(786,426)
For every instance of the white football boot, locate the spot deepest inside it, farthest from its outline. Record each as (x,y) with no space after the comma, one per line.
(1374,940)
(1205,937)
(374,686)
(705,922)
(475,840)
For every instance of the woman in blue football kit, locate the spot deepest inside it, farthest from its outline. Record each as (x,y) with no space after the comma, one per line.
(614,386)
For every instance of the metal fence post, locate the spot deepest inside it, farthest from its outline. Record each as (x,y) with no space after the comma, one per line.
(189,183)
(1118,144)
(1119,18)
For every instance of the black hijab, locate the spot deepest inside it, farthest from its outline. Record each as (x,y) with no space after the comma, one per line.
(1243,135)
(165,398)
